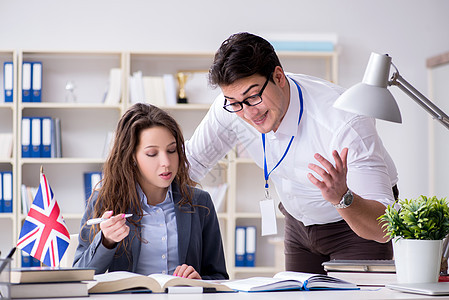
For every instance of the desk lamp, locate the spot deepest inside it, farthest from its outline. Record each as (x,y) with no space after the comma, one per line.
(372,98)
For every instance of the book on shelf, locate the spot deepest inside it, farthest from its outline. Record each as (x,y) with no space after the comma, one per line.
(289,280)
(26,81)
(8,81)
(50,274)
(245,246)
(295,41)
(360,265)
(157,283)
(92,182)
(36,82)
(136,92)
(29,261)
(27,194)
(6,192)
(240,235)
(154,90)
(41,137)
(113,94)
(48,290)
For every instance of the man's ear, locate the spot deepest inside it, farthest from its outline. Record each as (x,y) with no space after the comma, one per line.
(279,77)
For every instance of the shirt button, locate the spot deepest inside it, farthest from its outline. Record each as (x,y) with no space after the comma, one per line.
(163,256)
(163,238)
(161,225)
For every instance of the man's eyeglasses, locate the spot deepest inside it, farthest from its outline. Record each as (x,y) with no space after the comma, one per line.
(250,101)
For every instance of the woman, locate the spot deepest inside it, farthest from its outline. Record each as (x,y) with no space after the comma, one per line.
(173,228)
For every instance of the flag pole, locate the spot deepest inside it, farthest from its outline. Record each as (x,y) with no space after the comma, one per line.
(42,170)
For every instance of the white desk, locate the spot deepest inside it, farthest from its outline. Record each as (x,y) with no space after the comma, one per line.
(363,294)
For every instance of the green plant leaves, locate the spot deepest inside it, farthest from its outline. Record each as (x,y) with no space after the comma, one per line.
(422,219)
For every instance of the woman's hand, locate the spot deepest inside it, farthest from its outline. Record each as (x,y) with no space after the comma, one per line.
(186,271)
(114,229)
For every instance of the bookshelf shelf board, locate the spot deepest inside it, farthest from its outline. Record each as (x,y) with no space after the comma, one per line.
(191,106)
(62,161)
(64,105)
(9,105)
(7,216)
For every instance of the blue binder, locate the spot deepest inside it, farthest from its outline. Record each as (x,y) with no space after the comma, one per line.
(8,81)
(36,136)
(240,237)
(26,137)
(36,83)
(26,81)
(26,259)
(1,192)
(90,182)
(47,130)
(250,246)
(7,191)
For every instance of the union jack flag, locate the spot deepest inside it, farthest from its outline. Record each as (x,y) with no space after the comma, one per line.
(44,234)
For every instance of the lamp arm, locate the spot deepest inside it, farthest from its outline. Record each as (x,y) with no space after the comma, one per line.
(419,98)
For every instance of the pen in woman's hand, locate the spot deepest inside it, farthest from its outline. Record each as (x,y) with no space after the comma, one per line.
(99,220)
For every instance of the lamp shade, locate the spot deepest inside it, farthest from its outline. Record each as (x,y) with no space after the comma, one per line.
(371,97)
(369,100)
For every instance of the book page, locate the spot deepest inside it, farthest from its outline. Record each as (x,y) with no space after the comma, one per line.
(121,280)
(300,277)
(170,280)
(115,276)
(262,284)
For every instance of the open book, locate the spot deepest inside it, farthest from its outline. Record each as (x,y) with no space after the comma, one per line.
(289,281)
(156,283)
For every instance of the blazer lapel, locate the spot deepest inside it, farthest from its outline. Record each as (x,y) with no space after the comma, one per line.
(183,221)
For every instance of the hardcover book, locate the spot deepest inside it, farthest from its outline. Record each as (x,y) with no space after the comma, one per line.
(157,283)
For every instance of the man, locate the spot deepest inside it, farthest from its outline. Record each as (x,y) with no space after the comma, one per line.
(330,168)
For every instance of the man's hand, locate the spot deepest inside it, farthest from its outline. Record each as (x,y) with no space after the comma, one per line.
(333,186)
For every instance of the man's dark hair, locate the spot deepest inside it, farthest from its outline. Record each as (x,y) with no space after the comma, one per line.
(242,55)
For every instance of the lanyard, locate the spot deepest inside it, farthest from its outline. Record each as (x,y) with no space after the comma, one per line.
(265,168)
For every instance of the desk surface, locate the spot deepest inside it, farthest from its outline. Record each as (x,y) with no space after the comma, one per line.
(364,293)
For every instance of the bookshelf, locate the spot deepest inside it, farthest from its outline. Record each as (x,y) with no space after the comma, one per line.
(86,123)
(8,115)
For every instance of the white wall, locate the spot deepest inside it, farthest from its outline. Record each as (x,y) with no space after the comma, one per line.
(409,30)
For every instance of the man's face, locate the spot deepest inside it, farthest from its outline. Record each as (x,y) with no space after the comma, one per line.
(265,116)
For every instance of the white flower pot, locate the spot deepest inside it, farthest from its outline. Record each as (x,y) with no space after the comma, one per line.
(417,261)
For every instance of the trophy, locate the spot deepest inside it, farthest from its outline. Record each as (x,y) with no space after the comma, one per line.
(70,91)
(182,79)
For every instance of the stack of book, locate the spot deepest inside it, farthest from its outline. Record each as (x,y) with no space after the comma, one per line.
(48,282)
(363,272)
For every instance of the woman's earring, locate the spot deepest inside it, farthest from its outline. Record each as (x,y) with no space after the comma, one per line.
(134,163)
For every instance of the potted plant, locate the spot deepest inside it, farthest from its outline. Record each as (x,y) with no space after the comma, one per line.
(417,228)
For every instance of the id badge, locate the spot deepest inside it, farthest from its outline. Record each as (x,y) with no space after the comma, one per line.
(268,213)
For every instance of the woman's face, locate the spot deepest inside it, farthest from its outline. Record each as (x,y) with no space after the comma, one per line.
(157,158)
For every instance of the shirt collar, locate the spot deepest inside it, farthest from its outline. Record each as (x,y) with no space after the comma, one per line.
(144,200)
(289,125)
